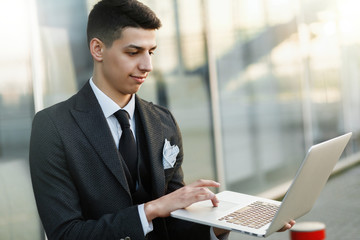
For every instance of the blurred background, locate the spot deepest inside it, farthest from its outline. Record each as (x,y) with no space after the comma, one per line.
(252,83)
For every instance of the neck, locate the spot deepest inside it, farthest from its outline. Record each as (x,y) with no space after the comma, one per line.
(120,99)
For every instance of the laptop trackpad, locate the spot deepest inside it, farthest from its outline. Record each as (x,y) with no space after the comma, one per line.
(205,208)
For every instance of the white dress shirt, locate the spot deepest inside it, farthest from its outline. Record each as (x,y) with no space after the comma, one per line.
(109,107)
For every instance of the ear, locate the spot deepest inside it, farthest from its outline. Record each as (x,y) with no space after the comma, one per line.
(96,49)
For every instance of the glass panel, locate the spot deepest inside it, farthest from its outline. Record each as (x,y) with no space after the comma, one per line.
(324,68)
(348,20)
(259,76)
(18,213)
(66,56)
(281,83)
(332,68)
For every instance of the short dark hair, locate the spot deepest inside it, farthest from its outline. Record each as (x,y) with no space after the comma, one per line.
(109,17)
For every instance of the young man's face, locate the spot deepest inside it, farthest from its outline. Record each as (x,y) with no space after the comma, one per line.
(126,64)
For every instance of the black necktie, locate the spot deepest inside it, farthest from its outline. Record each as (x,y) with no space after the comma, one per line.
(127,146)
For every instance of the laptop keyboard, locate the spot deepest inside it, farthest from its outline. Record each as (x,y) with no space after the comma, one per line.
(255,215)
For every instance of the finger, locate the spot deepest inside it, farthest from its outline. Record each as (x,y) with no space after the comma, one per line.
(204,192)
(196,194)
(205,183)
(215,201)
(287,226)
(210,196)
(292,223)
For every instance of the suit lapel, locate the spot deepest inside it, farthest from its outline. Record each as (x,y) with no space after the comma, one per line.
(154,139)
(91,120)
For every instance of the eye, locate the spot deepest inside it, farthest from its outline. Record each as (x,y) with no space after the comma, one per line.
(151,53)
(132,53)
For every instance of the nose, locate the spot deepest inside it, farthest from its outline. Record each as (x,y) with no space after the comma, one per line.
(145,63)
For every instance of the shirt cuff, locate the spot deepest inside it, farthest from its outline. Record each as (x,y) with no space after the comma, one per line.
(224,236)
(147,226)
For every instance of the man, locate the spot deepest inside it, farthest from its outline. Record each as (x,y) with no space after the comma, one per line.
(84,184)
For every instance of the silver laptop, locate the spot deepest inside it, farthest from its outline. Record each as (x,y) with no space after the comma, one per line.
(260,216)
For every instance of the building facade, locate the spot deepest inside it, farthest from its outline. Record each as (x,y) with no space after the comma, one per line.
(252,83)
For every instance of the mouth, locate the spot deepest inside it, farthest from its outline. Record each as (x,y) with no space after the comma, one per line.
(139,79)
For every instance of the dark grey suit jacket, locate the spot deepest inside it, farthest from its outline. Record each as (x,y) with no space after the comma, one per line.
(78,178)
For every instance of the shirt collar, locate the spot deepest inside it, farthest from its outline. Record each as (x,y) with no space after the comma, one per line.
(108,106)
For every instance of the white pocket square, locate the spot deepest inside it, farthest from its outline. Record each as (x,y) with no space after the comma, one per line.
(169,154)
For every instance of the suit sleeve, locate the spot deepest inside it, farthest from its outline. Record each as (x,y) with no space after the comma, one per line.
(179,229)
(57,198)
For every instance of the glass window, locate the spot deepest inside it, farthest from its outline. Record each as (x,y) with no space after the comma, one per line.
(64,48)
(323,60)
(260,80)
(18,213)
(348,20)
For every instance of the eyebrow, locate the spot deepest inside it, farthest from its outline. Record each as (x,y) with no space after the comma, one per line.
(140,48)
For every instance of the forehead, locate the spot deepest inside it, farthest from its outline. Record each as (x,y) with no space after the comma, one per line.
(140,37)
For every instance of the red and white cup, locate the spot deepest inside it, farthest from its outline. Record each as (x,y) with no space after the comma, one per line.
(308,231)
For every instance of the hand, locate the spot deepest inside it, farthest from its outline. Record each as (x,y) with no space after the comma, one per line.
(181,198)
(219,231)
(287,226)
